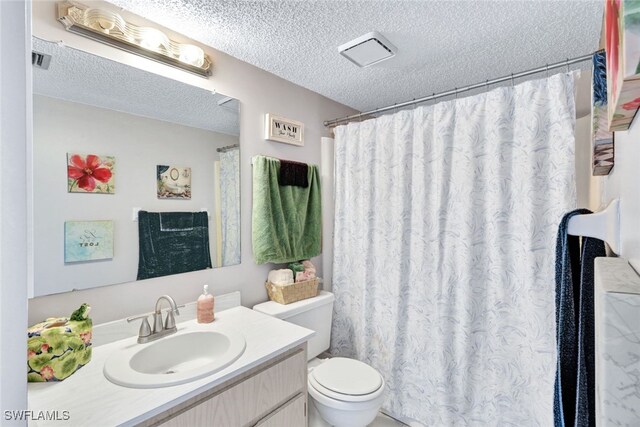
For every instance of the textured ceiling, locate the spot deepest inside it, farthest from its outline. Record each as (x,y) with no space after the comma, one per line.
(81,77)
(441,44)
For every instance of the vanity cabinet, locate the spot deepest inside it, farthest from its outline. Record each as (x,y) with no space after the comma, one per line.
(292,413)
(273,394)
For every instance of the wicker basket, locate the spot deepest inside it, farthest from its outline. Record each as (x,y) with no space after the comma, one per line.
(286,294)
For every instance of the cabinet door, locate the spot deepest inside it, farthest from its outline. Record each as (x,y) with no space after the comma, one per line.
(291,414)
(250,400)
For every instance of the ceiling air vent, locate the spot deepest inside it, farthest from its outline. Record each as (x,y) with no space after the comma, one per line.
(368,49)
(40,60)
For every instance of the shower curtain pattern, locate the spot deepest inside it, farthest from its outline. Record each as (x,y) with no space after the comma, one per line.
(444,259)
(230,209)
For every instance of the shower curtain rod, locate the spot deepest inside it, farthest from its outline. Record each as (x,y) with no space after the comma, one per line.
(456,91)
(227,148)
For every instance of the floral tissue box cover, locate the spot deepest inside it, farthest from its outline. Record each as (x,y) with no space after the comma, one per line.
(58,347)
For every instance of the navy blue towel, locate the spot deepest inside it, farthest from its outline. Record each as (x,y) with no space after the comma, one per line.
(172,243)
(574,389)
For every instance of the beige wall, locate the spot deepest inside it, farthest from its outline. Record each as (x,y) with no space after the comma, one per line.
(587,185)
(624,183)
(595,192)
(259,92)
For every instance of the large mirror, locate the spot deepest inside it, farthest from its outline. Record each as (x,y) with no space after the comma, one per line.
(134,175)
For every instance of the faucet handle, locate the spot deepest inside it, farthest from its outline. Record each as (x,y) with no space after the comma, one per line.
(170,321)
(145,328)
(177,312)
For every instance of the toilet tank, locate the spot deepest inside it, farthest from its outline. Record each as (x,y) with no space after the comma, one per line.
(312,313)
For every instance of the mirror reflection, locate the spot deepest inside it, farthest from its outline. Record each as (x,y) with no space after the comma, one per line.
(134,175)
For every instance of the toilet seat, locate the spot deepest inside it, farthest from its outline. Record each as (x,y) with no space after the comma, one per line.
(346,380)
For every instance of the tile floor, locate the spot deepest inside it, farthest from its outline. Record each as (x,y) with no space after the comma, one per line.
(384,421)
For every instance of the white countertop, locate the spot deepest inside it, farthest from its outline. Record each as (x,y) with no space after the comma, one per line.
(617,342)
(92,400)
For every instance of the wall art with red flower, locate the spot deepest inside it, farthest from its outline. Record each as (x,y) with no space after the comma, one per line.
(622,46)
(90,173)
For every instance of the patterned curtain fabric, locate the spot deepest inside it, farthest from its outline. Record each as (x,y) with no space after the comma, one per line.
(230,210)
(446,218)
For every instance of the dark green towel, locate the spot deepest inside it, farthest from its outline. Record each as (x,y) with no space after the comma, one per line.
(172,243)
(286,223)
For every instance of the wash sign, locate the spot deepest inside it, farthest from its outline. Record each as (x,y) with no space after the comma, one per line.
(284,130)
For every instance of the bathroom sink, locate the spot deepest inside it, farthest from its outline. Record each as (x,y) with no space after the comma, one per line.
(175,359)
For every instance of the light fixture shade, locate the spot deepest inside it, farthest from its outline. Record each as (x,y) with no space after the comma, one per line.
(111,28)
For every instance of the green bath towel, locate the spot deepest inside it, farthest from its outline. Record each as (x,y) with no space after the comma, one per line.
(287,220)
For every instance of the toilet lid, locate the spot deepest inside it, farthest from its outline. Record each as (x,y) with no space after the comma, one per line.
(347,376)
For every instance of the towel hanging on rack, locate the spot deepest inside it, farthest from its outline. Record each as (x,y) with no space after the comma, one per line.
(574,389)
(286,221)
(172,243)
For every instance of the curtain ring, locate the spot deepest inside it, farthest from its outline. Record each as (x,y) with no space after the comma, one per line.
(512,80)
(567,65)
(395,109)
(486,84)
(547,70)
(360,118)
(456,93)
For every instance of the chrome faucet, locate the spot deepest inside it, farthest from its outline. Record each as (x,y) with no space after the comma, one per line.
(146,334)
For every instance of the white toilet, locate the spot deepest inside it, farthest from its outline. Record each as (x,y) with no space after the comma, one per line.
(346,392)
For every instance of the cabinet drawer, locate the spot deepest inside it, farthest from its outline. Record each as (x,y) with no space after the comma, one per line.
(291,414)
(246,402)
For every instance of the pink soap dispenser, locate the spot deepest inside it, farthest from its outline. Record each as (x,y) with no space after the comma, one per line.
(205,306)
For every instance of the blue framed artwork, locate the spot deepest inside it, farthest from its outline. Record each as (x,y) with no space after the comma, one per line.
(602,137)
(88,240)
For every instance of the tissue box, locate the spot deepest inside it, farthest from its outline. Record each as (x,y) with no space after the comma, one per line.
(57,347)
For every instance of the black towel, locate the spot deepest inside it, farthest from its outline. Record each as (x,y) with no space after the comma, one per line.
(574,389)
(172,243)
(293,173)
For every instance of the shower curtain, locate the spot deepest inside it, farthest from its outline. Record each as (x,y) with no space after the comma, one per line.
(446,218)
(230,206)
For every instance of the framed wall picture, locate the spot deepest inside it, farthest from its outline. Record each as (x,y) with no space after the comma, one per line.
(174,182)
(602,138)
(284,130)
(90,173)
(88,240)
(622,45)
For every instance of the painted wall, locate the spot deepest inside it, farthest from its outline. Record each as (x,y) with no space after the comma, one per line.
(138,144)
(623,183)
(259,93)
(596,192)
(15,103)
(587,185)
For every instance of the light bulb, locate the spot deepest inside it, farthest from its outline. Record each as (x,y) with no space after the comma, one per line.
(101,20)
(191,54)
(152,39)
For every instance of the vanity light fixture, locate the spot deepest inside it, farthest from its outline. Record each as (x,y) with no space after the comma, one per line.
(111,28)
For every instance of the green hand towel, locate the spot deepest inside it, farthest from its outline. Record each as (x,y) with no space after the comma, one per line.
(286,221)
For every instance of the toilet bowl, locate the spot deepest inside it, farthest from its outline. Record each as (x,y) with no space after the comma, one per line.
(345,392)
